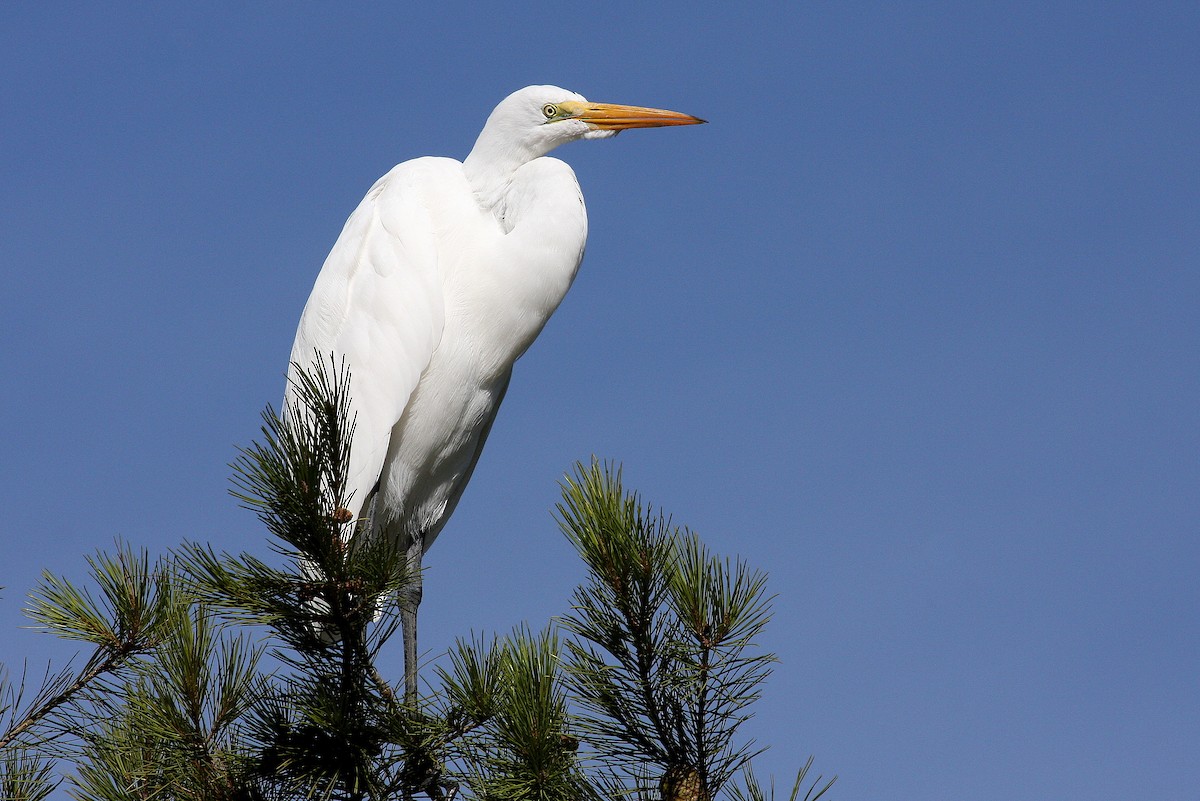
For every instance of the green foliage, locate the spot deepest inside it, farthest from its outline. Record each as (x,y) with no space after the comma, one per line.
(127,621)
(234,678)
(172,730)
(511,709)
(295,479)
(663,665)
(127,618)
(25,776)
(536,758)
(751,790)
(328,725)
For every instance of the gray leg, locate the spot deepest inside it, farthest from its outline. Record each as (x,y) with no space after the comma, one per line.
(410,599)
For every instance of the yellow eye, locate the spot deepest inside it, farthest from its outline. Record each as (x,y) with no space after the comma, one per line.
(550,110)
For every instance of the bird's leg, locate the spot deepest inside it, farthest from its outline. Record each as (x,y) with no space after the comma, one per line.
(410,599)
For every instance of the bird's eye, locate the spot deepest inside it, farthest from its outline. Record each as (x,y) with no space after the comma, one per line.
(550,110)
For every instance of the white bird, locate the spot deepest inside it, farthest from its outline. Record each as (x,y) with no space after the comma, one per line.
(441,279)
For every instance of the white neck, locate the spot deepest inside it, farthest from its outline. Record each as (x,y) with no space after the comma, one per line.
(491,165)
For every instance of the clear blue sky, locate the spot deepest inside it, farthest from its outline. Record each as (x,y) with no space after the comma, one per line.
(912,324)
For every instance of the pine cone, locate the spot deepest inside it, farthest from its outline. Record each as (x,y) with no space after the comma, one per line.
(682,783)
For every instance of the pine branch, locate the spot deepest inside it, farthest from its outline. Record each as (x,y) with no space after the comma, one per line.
(644,699)
(661,663)
(103,661)
(126,622)
(753,790)
(25,776)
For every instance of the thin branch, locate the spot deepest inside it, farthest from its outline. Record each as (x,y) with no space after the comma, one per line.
(98,667)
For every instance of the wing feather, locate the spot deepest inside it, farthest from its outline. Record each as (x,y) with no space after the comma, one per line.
(378,303)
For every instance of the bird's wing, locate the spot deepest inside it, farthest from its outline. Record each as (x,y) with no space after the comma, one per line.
(378,304)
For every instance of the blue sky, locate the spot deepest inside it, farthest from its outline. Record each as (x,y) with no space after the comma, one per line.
(911,324)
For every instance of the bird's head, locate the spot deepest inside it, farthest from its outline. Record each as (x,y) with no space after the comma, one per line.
(538,119)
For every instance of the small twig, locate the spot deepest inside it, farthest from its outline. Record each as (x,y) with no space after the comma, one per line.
(385,689)
(35,716)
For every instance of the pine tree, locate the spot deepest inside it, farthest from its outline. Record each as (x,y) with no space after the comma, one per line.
(236,678)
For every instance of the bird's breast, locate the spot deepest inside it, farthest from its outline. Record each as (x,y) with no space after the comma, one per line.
(500,284)
(503,292)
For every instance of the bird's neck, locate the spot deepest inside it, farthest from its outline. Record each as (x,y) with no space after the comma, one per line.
(490,168)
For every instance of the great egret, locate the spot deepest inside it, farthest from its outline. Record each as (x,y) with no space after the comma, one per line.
(440,280)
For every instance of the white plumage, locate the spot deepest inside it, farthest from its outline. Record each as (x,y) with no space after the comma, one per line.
(441,279)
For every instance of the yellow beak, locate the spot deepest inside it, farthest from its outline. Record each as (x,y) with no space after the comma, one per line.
(614,117)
